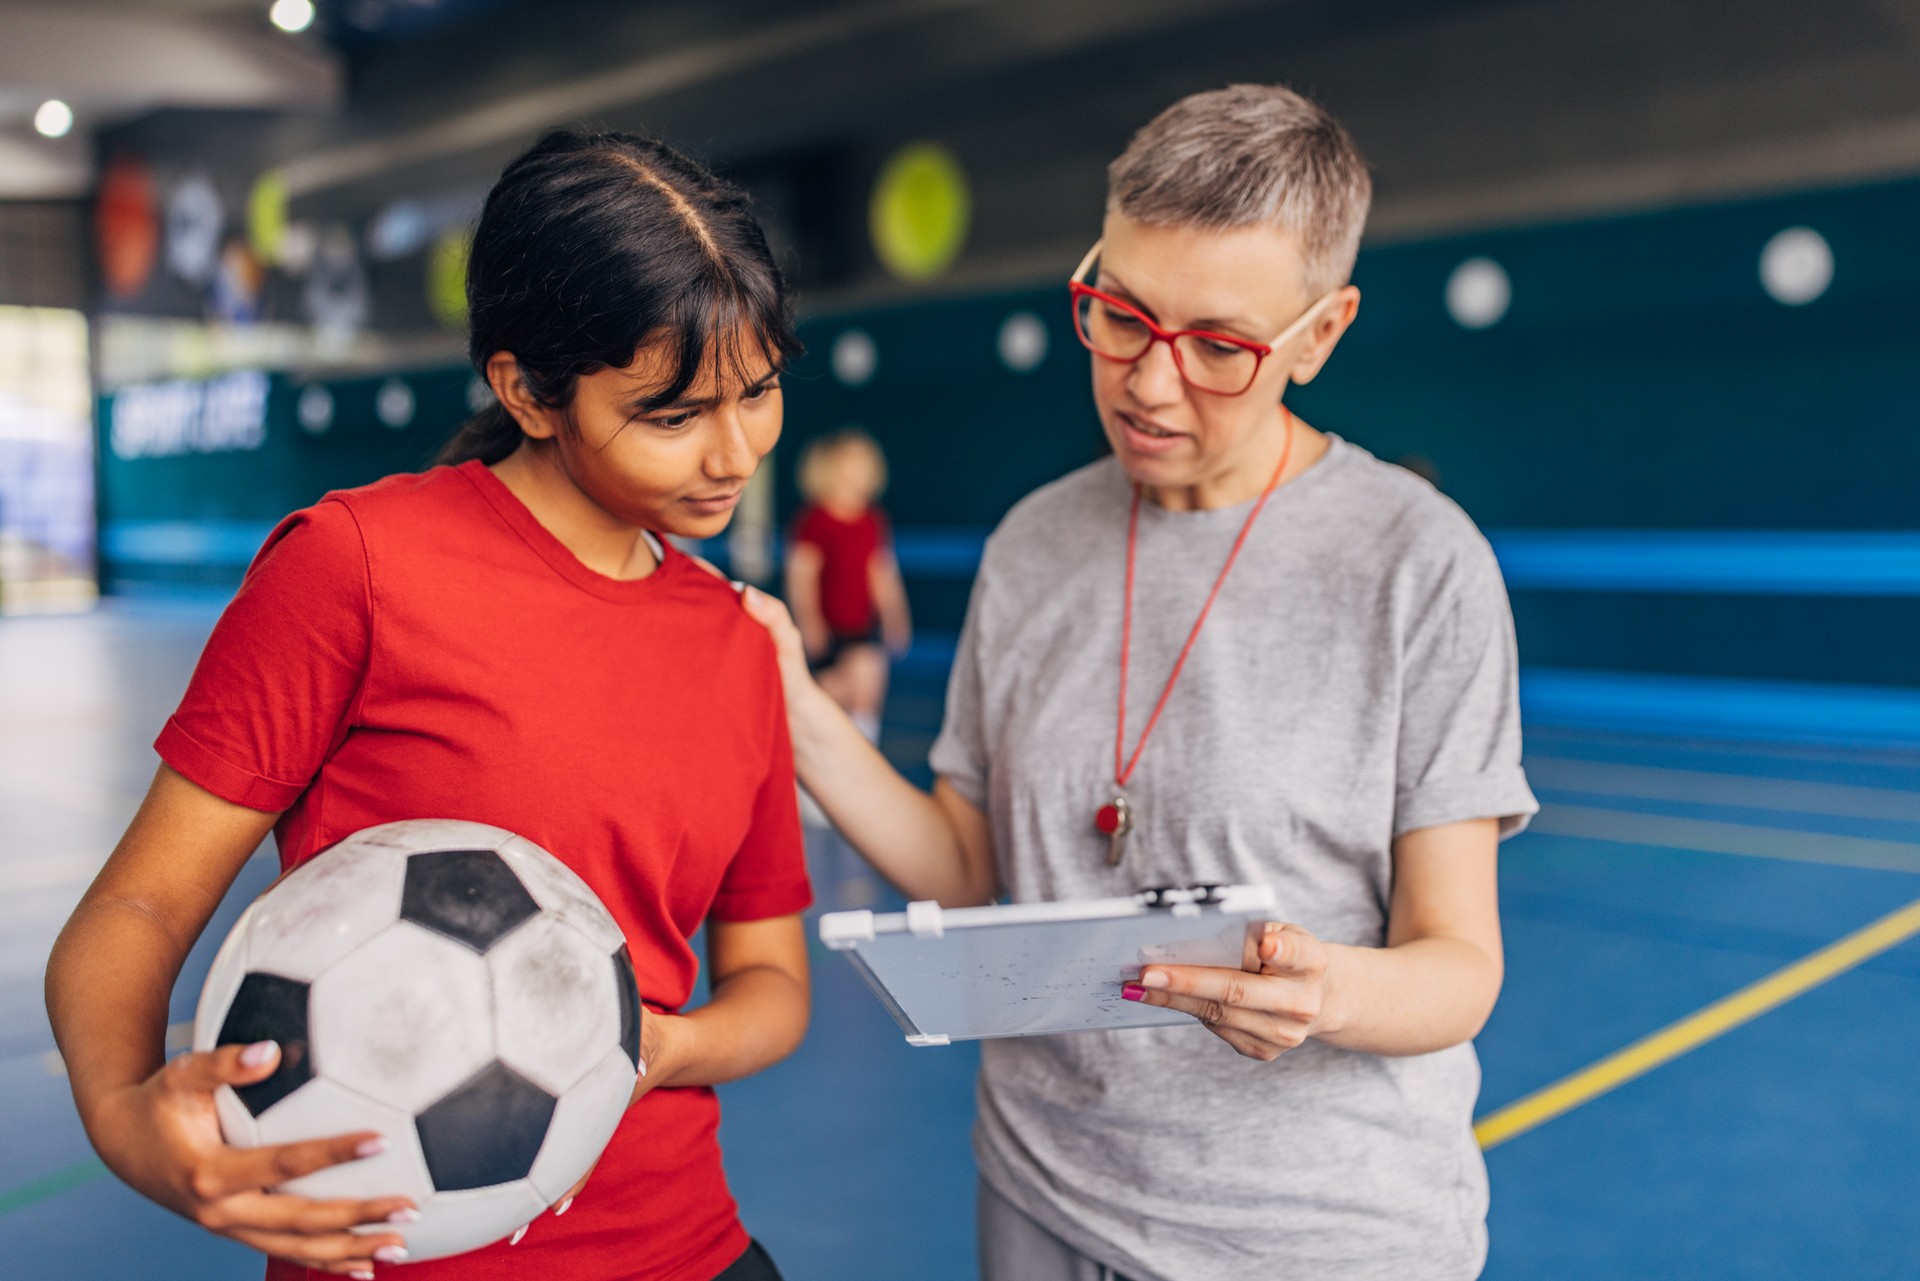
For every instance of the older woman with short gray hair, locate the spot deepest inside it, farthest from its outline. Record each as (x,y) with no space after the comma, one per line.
(1238,650)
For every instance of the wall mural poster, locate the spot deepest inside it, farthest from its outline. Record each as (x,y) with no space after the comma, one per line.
(46,462)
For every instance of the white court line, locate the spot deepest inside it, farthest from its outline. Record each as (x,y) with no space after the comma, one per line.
(49,871)
(1748,791)
(1713,837)
(179,1037)
(67,792)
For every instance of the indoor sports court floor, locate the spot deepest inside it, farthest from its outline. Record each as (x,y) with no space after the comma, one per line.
(1771,1136)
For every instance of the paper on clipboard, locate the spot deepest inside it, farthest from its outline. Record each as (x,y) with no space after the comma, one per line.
(1029,969)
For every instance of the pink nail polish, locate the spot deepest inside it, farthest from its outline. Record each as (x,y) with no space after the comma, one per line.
(563,1207)
(405,1214)
(391,1254)
(361,1276)
(1132,992)
(259,1054)
(370,1147)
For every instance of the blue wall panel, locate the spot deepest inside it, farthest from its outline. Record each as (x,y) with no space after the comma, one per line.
(1682,475)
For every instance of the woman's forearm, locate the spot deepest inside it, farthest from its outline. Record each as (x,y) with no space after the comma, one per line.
(1414,998)
(910,837)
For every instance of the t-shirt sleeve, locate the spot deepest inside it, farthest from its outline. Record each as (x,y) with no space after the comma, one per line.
(277,684)
(768,874)
(1459,749)
(959,754)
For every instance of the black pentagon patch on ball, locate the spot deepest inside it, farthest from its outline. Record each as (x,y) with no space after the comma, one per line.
(270,1008)
(485,1131)
(629,990)
(471,896)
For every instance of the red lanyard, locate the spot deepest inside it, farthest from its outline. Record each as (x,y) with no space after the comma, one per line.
(1121,773)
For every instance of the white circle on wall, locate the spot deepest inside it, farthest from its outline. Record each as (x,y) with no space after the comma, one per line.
(314,409)
(394,403)
(479,395)
(1023,342)
(53,119)
(1478,293)
(195,221)
(855,358)
(1796,266)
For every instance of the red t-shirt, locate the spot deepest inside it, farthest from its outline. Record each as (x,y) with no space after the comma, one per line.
(847,549)
(424,648)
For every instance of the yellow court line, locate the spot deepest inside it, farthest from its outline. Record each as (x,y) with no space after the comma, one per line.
(1696,1029)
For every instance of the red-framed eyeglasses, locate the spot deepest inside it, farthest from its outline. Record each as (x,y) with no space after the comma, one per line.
(1220,364)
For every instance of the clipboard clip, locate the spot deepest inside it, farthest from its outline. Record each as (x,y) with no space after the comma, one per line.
(1180,899)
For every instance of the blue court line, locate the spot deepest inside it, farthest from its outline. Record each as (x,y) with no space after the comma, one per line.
(229,543)
(1756,562)
(1717,707)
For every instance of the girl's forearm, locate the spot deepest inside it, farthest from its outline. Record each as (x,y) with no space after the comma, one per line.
(1413,998)
(904,832)
(108,979)
(756,1017)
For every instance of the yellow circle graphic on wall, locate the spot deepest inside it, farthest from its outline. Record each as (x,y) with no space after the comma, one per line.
(267,216)
(920,211)
(447,277)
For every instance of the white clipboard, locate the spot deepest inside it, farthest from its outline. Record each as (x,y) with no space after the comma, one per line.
(1029,969)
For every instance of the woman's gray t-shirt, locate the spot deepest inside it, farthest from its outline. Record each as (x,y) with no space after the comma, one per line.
(1355,680)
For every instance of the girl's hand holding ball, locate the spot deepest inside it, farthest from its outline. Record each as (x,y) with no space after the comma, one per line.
(163,1137)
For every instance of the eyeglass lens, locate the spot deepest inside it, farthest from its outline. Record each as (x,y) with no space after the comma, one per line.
(1121,333)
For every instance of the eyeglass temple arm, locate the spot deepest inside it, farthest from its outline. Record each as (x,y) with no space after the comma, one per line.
(1304,319)
(1080,273)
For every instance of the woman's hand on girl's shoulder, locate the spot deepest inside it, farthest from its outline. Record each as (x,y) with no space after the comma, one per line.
(788,647)
(1262,1014)
(162,1136)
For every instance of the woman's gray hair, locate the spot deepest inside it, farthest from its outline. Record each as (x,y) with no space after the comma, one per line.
(1250,155)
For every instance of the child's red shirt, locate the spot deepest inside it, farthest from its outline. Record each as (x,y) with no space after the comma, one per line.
(847,549)
(424,648)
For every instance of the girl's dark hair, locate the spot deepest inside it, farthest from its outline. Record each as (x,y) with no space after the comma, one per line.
(593,245)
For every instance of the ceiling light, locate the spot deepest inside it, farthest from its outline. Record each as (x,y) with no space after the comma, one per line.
(53,119)
(292,15)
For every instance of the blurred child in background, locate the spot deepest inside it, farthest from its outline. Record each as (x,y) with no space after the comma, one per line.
(843,583)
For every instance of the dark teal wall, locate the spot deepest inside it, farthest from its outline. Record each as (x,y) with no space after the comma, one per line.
(1642,380)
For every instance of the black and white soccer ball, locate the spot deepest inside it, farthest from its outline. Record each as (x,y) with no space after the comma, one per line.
(455,988)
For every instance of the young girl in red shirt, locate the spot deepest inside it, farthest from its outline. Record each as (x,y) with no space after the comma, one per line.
(502,639)
(842,580)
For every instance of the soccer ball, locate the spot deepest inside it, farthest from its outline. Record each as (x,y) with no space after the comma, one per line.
(454,987)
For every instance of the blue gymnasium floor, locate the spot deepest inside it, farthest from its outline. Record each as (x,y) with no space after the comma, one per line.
(1661,877)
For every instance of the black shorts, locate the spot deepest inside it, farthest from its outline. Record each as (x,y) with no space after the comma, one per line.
(754,1265)
(840,643)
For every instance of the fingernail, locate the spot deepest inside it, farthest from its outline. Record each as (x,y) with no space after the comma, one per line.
(405,1214)
(515,1238)
(361,1276)
(259,1054)
(1154,978)
(563,1207)
(642,1065)
(391,1254)
(1132,992)
(739,586)
(370,1147)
